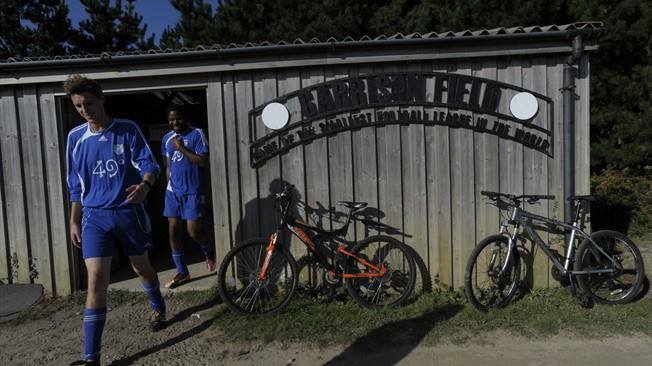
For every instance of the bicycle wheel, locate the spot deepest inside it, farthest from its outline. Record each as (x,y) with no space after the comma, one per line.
(240,287)
(620,286)
(485,286)
(395,286)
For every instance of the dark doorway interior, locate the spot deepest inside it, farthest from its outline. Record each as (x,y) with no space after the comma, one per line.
(148,110)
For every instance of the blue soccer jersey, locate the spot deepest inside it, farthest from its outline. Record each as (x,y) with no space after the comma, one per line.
(101,165)
(185,176)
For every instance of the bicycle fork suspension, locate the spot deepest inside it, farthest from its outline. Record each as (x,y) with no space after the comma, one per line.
(511,239)
(511,246)
(268,256)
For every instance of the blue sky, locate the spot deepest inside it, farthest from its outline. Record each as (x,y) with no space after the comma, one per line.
(157,14)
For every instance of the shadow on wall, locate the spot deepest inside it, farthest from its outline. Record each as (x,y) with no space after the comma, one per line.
(262,216)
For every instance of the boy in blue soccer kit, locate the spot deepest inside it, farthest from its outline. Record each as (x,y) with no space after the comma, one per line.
(186,152)
(110,170)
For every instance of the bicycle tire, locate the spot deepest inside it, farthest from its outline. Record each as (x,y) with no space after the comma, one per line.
(617,290)
(396,286)
(242,264)
(501,290)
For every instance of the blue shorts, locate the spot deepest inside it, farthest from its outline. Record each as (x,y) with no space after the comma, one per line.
(103,229)
(185,206)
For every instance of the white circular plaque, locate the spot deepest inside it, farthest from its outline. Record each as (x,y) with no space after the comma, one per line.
(524,106)
(275,116)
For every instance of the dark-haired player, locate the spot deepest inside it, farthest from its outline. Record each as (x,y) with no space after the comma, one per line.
(186,152)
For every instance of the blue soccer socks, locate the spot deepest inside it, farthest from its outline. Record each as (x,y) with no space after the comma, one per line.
(153,291)
(177,257)
(94,320)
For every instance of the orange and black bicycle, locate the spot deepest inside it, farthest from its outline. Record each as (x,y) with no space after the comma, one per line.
(260,275)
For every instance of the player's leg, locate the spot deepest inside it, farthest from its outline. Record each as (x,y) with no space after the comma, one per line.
(196,231)
(134,234)
(172,211)
(149,280)
(98,269)
(98,248)
(182,275)
(193,212)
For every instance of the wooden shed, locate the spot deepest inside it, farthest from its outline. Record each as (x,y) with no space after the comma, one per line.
(416,125)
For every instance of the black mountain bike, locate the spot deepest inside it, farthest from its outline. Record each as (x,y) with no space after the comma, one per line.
(606,267)
(260,275)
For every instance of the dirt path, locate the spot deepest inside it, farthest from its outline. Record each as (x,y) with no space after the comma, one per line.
(192,340)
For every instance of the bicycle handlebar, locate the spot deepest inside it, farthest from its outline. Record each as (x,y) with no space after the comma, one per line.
(287,192)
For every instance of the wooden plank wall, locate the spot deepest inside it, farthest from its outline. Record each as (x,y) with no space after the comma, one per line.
(438,167)
(424,181)
(65,274)
(33,229)
(5,251)
(14,189)
(292,166)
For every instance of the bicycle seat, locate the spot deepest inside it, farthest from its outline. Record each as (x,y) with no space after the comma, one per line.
(353,206)
(588,198)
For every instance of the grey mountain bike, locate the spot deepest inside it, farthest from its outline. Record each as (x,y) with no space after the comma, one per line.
(606,266)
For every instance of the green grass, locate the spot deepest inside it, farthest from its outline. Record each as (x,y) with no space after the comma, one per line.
(434,317)
(196,296)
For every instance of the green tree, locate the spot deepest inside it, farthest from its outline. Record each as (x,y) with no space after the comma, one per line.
(407,16)
(244,21)
(195,26)
(241,21)
(621,85)
(111,28)
(13,35)
(33,28)
(52,27)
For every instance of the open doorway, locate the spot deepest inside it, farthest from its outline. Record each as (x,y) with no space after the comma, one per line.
(147,109)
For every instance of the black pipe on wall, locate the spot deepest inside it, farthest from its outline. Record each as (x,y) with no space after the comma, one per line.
(570,73)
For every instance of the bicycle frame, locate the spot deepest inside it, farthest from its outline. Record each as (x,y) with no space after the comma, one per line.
(525,219)
(300,230)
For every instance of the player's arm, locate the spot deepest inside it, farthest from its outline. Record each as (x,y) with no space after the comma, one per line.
(199,159)
(75,223)
(143,160)
(166,158)
(75,191)
(167,169)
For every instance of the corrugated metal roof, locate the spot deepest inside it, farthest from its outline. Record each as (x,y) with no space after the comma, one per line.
(591,28)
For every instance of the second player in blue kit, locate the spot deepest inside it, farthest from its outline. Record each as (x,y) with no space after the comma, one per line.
(185,150)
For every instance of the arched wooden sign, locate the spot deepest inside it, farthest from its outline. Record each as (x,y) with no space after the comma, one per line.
(428,98)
